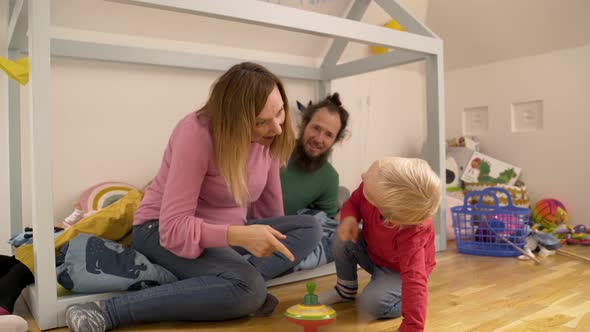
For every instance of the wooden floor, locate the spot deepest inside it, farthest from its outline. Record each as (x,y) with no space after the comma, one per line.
(466,293)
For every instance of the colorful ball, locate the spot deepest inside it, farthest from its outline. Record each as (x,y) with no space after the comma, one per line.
(549,213)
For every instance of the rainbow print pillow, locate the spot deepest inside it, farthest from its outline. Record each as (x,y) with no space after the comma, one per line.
(102,195)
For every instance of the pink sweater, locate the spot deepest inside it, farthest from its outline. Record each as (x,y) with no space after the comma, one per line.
(191,200)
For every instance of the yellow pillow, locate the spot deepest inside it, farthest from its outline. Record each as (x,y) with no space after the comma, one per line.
(17,70)
(113,223)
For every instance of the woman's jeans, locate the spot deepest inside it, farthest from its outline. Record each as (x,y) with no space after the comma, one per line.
(220,284)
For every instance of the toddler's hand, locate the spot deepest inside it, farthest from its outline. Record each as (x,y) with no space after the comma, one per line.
(348,230)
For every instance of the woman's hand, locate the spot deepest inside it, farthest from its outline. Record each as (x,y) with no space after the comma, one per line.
(348,230)
(259,240)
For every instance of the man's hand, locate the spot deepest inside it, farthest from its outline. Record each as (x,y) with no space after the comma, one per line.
(348,230)
(259,240)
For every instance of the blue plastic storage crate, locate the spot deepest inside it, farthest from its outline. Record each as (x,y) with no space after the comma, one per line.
(485,230)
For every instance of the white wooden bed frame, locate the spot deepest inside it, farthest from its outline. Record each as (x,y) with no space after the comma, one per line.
(28,32)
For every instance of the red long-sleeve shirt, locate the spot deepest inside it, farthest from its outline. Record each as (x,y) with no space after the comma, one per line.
(409,250)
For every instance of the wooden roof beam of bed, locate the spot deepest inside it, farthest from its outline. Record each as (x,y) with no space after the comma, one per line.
(297,20)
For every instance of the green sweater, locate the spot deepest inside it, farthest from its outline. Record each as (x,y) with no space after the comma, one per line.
(316,190)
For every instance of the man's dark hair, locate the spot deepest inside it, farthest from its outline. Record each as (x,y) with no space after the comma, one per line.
(332,104)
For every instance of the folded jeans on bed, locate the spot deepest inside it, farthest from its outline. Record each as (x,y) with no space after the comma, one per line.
(322,254)
(94,265)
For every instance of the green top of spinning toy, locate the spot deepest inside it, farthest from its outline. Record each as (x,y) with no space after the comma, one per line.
(310,298)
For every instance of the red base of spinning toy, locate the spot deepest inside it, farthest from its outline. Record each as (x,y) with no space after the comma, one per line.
(311,325)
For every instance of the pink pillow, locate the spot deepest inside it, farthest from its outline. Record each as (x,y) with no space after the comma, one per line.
(102,195)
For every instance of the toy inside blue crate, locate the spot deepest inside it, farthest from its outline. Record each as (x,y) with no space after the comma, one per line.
(490,230)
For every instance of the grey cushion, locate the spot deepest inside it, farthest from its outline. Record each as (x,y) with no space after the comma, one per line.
(90,264)
(343,195)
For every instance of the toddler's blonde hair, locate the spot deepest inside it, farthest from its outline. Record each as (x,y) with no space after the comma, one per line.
(410,190)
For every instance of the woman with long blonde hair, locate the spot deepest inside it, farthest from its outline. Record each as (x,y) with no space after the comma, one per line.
(221,165)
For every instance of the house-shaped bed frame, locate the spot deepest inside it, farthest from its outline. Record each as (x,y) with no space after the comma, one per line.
(28,25)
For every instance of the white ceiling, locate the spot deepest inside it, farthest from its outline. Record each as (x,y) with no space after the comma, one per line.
(486,31)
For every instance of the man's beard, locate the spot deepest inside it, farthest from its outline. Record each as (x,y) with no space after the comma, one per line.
(307,163)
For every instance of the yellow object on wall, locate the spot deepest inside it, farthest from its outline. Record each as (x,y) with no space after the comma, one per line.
(392,24)
(17,70)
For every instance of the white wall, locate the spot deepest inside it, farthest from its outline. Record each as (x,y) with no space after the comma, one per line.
(554,159)
(112,121)
(388,115)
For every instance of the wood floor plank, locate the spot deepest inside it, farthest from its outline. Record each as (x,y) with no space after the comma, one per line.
(466,293)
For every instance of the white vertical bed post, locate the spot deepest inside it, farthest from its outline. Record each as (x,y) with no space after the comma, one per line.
(14,134)
(324,88)
(4,142)
(435,112)
(10,177)
(44,295)
(14,153)
(435,147)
